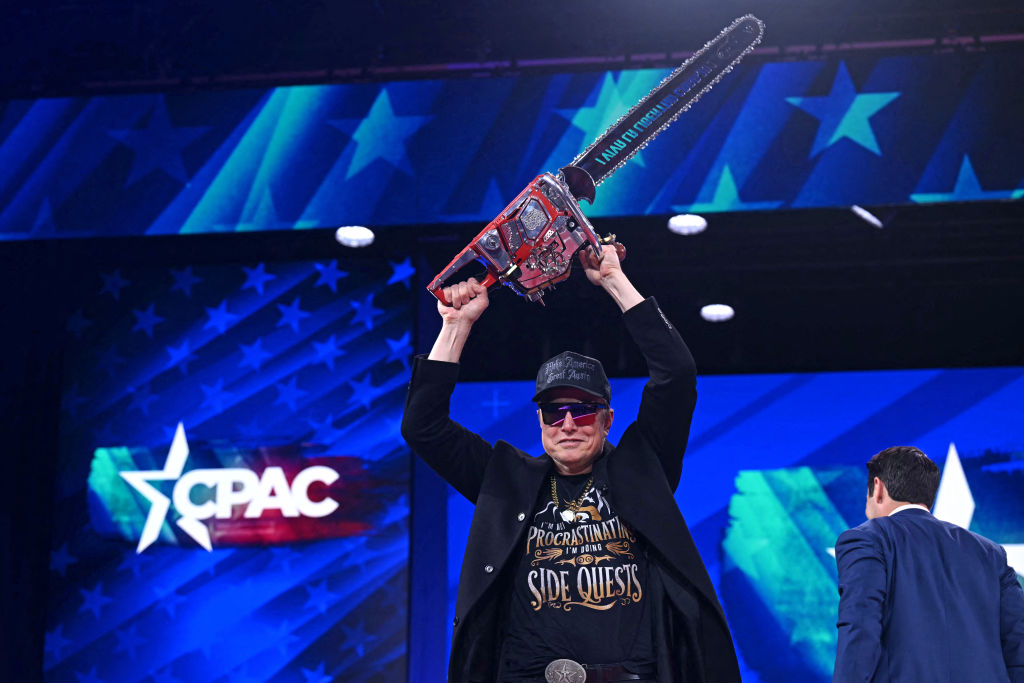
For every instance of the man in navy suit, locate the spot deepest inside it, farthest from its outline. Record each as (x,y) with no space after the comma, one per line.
(921,599)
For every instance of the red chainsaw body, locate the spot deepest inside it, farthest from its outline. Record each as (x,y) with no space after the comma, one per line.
(530,245)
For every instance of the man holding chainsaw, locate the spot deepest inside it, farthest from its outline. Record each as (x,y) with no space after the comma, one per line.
(579,565)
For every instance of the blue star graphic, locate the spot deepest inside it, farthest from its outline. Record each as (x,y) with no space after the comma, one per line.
(181,356)
(56,642)
(356,638)
(284,637)
(164,676)
(966,187)
(402,272)
(133,561)
(365,311)
(256,278)
(726,198)
(253,355)
(252,430)
(288,393)
(381,134)
(146,320)
(216,396)
(328,351)
(88,677)
(282,556)
(320,597)
(844,113)
(77,323)
(316,676)
(128,641)
(291,315)
(158,145)
(329,275)
(169,601)
(400,350)
(110,359)
(363,392)
(113,283)
(184,280)
(168,431)
(324,432)
(93,600)
(141,398)
(61,559)
(219,317)
(244,674)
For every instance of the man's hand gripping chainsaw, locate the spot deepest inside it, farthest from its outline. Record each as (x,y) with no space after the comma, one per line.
(531,244)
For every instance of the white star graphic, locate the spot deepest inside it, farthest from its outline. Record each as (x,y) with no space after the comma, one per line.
(955,504)
(160,504)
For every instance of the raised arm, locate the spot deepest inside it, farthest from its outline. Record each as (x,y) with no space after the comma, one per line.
(669,396)
(469,301)
(451,450)
(607,273)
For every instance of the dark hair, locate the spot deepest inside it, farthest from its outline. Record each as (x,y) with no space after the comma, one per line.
(908,474)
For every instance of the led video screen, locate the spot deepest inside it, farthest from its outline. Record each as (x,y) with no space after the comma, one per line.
(873,129)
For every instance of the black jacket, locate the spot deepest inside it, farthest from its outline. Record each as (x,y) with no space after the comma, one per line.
(692,638)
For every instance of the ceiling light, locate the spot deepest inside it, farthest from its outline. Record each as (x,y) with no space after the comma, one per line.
(866,216)
(687,224)
(354,236)
(717,313)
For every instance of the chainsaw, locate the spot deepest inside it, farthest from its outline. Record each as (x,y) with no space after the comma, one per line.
(530,245)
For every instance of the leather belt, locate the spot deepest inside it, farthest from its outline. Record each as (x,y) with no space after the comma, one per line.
(568,671)
(609,673)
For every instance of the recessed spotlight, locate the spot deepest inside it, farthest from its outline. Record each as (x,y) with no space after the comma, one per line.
(717,313)
(354,236)
(866,216)
(687,224)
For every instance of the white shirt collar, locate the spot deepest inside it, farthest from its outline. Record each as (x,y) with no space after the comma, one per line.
(901,508)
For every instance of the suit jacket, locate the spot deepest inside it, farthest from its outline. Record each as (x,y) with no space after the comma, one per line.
(692,639)
(925,600)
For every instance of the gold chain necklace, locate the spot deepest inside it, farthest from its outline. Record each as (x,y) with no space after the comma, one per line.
(573,507)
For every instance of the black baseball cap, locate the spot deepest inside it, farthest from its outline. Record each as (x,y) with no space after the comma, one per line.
(569,369)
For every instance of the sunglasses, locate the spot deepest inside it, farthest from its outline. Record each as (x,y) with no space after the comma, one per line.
(583,414)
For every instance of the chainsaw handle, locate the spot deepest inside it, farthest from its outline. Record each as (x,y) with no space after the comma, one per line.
(489,281)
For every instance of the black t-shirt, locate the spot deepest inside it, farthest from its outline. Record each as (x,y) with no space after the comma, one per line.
(579,588)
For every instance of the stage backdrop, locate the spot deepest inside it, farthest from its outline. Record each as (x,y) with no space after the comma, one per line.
(232,497)
(775,472)
(870,129)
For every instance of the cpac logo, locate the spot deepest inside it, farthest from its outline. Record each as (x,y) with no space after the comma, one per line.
(231,486)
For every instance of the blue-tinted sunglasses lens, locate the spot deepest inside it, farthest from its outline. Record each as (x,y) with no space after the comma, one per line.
(582,413)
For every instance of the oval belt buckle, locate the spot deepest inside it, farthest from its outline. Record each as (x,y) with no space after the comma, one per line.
(565,671)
